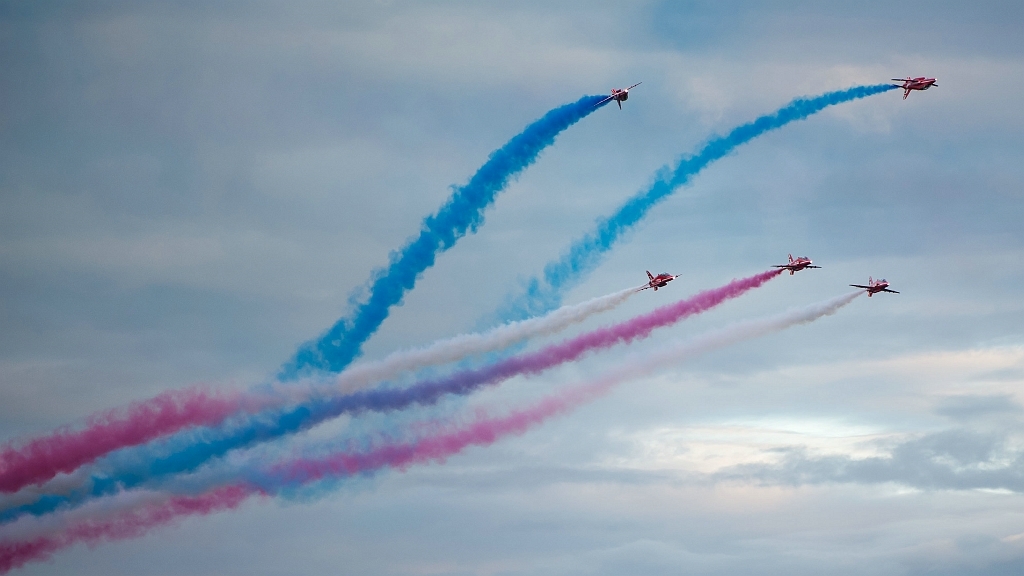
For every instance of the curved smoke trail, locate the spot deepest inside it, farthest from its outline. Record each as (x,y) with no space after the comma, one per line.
(463,212)
(437,447)
(585,253)
(40,459)
(133,468)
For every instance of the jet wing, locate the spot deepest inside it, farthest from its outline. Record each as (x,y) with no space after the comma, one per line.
(859,286)
(633,86)
(812,266)
(608,99)
(890,291)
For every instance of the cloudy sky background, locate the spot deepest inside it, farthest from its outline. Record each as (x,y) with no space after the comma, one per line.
(189,191)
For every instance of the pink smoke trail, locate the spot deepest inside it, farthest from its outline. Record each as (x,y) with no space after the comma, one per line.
(482,432)
(639,327)
(467,381)
(129,524)
(65,450)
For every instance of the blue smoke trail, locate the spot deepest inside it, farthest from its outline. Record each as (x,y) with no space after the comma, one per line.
(587,252)
(463,211)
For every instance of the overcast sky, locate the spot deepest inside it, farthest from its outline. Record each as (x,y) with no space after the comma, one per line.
(189,190)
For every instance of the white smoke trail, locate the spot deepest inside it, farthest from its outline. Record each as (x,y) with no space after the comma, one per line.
(27,527)
(59,484)
(365,374)
(674,352)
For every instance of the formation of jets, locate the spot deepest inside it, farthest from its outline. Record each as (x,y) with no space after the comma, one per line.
(794,266)
(919,83)
(620,95)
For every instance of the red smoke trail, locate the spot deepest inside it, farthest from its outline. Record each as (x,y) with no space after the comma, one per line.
(129,524)
(65,450)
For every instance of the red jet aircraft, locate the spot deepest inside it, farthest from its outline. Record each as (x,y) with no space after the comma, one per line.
(919,83)
(875,286)
(797,265)
(619,96)
(658,281)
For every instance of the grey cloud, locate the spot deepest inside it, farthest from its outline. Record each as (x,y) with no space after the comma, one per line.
(950,460)
(974,407)
(1009,567)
